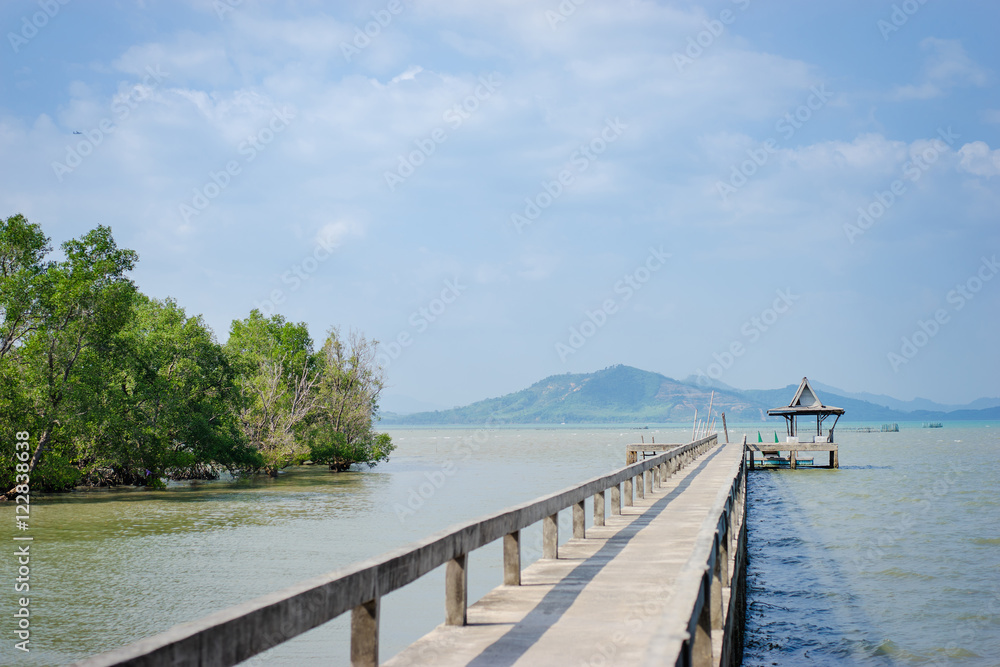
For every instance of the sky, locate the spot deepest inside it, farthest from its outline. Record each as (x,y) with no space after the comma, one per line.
(502,190)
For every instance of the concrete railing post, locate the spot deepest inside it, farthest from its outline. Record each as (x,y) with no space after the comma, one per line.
(656,476)
(579,520)
(724,542)
(649,481)
(628,492)
(599,508)
(716,597)
(550,536)
(364,634)
(701,642)
(512,559)
(456,590)
(616,499)
(639,486)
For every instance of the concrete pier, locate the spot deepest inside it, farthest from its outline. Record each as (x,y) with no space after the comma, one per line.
(755,450)
(605,595)
(657,581)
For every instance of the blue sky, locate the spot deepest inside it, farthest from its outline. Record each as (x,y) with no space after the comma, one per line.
(503,190)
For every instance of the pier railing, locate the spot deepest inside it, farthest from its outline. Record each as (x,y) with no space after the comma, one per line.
(710,595)
(238,633)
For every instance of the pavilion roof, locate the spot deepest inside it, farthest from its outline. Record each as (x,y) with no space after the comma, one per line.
(806,402)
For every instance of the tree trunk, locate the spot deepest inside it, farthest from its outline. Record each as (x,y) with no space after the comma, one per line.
(35,458)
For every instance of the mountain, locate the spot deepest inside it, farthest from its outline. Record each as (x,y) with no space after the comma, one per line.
(615,394)
(622,394)
(907,406)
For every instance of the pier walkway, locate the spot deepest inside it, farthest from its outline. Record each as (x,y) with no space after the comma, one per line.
(601,601)
(658,581)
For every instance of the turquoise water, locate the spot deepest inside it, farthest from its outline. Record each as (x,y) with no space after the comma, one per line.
(892,560)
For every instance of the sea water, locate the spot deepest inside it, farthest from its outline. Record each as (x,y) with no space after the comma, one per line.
(893,559)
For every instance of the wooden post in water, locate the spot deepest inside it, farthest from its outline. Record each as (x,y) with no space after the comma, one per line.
(724,428)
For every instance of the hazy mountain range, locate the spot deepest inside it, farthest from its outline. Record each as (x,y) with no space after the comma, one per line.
(630,395)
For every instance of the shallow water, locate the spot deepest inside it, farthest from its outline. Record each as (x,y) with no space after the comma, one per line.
(111,567)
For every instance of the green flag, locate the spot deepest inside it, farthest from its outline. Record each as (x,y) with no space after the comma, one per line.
(776,436)
(759,439)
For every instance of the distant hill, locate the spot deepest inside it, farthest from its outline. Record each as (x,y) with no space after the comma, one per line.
(907,406)
(622,394)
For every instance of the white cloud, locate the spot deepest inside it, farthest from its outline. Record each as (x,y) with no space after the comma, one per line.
(190,58)
(538,266)
(335,234)
(978,159)
(946,66)
(321,178)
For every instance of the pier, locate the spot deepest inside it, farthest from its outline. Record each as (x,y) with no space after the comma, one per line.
(805,403)
(658,579)
(772,454)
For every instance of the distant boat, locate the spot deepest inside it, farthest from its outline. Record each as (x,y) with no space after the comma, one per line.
(933,425)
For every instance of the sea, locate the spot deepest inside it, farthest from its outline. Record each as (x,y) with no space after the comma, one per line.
(894,559)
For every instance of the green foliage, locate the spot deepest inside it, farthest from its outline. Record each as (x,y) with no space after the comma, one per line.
(115,387)
(328,447)
(276,378)
(162,400)
(22,248)
(348,389)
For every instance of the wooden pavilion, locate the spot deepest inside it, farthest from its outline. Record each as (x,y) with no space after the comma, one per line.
(805,403)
